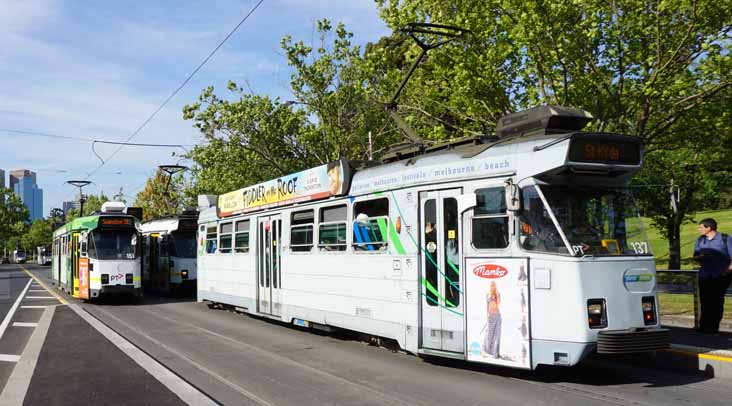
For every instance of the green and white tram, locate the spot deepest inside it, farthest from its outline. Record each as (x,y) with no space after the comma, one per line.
(98,254)
(517,251)
(169,253)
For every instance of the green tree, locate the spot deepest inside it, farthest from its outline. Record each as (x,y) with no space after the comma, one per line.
(39,233)
(162,196)
(253,138)
(13,219)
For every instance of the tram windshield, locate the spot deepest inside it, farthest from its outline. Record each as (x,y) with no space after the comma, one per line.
(114,244)
(184,245)
(598,221)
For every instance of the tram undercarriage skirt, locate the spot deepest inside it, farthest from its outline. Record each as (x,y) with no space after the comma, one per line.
(632,341)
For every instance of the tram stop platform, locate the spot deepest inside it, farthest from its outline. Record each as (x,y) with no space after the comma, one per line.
(690,352)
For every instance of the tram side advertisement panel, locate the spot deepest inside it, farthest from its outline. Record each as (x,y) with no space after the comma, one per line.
(498,311)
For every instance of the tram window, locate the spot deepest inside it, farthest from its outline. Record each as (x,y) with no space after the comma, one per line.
(490,219)
(370,225)
(211,240)
(537,231)
(241,238)
(301,230)
(332,228)
(225,237)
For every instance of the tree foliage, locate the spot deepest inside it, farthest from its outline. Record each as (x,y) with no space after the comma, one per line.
(657,69)
(39,233)
(13,218)
(161,196)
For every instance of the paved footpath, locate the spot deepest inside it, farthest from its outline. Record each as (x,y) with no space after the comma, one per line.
(63,356)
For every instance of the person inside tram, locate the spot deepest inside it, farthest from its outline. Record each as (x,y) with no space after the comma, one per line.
(537,229)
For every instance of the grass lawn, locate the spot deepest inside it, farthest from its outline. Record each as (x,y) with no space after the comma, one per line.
(689,234)
(683,304)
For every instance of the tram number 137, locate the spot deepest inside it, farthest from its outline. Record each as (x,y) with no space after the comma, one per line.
(640,247)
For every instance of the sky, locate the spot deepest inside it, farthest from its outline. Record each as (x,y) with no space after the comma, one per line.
(97,70)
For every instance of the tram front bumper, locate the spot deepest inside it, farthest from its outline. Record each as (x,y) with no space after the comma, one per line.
(116,289)
(631,341)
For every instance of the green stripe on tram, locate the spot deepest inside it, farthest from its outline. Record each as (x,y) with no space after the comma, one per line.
(453,267)
(434,291)
(395,238)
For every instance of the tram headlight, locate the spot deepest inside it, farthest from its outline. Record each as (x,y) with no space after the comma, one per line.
(184,274)
(105,279)
(648,304)
(596,313)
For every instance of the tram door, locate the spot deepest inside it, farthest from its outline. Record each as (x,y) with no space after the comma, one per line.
(154,264)
(269,233)
(75,264)
(442,300)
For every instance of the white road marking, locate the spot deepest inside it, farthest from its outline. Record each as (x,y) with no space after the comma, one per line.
(17,385)
(178,386)
(34,307)
(37,290)
(40,297)
(17,324)
(11,312)
(9,357)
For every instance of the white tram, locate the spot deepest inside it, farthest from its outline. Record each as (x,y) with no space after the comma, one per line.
(98,254)
(43,255)
(169,253)
(520,251)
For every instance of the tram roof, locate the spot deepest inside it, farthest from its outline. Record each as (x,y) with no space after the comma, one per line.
(520,157)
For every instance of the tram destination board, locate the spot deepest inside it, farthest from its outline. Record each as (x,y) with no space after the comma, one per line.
(113,222)
(605,151)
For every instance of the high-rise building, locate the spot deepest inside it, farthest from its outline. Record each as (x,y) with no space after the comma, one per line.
(69,206)
(2,179)
(23,184)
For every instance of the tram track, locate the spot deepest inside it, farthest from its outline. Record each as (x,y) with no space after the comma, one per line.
(601,393)
(380,397)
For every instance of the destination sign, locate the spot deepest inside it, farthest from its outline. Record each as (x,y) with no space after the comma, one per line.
(616,151)
(116,221)
(317,183)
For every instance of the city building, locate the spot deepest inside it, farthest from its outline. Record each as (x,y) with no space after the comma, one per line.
(23,184)
(69,206)
(2,179)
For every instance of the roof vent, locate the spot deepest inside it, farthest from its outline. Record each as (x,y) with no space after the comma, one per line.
(542,120)
(113,207)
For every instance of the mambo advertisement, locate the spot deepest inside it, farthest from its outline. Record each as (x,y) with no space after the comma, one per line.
(498,315)
(320,182)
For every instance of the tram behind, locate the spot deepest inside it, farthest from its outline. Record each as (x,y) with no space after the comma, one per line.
(43,255)
(523,251)
(98,254)
(169,253)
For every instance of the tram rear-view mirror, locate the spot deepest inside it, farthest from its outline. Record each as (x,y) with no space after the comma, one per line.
(513,197)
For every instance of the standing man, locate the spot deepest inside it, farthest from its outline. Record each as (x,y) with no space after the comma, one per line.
(713,250)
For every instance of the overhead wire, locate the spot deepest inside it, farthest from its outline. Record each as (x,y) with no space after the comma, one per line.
(178,89)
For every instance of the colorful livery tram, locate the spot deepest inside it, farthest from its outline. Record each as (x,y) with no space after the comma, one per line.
(522,250)
(98,254)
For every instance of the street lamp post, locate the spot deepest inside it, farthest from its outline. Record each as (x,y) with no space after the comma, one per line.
(80,184)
